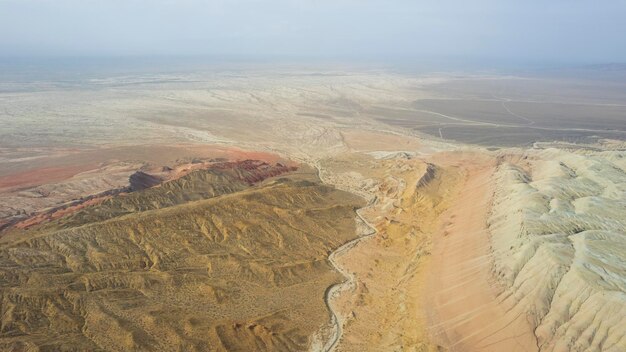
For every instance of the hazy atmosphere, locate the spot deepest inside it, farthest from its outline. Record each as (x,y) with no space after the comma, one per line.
(322,176)
(523,31)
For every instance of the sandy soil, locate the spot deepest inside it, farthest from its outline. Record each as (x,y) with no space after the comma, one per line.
(460,294)
(39,176)
(386,268)
(377,141)
(426,277)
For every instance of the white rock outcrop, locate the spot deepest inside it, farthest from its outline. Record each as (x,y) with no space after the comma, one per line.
(558,232)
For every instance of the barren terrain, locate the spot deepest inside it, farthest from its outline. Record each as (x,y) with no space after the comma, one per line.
(313,209)
(203,262)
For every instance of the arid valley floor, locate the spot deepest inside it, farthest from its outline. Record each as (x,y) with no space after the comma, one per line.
(323,209)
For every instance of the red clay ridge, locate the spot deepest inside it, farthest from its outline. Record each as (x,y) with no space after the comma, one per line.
(257,170)
(249,171)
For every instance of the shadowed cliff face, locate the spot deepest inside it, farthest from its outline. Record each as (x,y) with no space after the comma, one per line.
(205,262)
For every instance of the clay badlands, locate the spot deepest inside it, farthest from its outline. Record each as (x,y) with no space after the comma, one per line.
(312,209)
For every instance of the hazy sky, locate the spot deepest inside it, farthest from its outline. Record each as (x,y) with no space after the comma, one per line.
(531,30)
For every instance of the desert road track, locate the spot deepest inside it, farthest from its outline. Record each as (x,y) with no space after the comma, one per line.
(529,125)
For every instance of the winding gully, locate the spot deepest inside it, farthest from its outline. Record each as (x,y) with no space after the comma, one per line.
(350,282)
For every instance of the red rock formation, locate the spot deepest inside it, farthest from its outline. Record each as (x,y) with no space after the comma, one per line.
(255,170)
(248,171)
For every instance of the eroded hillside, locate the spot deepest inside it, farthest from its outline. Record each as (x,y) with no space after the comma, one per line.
(558,227)
(213,260)
(468,248)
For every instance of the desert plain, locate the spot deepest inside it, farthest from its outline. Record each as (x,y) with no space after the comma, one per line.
(312,208)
